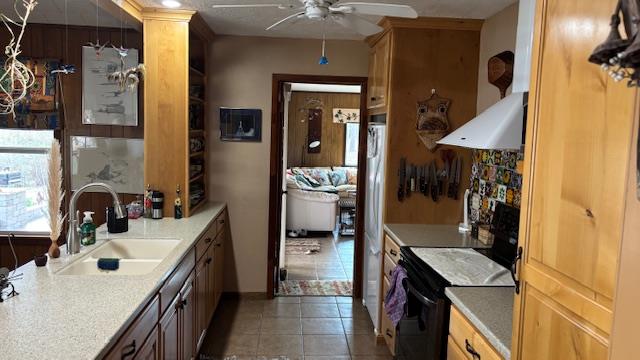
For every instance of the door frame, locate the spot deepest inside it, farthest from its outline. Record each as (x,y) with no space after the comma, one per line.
(276,170)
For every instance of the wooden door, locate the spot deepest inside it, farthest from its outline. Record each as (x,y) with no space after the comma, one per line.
(218,265)
(170,331)
(371,84)
(188,319)
(202,322)
(578,138)
(150,350)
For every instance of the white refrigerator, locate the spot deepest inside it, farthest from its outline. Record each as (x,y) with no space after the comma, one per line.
(373,229)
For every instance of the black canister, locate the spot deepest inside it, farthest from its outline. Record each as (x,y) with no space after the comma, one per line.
(157,203)
(115,225)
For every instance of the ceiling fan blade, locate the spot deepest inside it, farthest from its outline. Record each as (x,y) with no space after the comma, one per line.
(288,18)
(231,6)
(360,25)
(363,8)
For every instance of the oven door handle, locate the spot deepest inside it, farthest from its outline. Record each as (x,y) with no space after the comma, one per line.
(423,299)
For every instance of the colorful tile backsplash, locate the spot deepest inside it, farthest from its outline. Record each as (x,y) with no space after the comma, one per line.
(494,178)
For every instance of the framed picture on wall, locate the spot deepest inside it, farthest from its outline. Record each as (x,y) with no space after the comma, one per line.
(240,124)
(103,102)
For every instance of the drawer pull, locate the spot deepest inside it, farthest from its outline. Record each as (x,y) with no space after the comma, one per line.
(373,98)
(471,350)
(207,240)
(218,244)
(221,221)
(391,273)
(128,350)
(393,252)
(389,334)
(514,270)
(209,260)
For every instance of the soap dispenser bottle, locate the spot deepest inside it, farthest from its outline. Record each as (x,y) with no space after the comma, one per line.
(88,230)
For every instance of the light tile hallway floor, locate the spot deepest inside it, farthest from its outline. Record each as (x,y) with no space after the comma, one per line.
(298,328)
(334,261)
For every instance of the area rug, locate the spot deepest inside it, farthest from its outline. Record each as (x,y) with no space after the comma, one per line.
(316,287)
(302,246)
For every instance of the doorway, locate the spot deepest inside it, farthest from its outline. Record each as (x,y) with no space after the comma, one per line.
(317,177)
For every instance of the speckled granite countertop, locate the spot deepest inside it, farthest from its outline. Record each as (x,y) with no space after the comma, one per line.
(490,310)
(77,317)
(424,235)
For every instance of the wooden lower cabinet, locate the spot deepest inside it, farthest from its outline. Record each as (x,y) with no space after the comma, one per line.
(453,351)
(151,348)
(174,323)
(465,338)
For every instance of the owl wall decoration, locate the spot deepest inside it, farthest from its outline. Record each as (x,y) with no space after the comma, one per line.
(433,121)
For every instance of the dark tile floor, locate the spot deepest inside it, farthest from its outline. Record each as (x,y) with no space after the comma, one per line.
(293,328)
(334,261)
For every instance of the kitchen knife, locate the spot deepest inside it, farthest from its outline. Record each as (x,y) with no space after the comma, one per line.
(452,178)
(423,179)
(401,178)
(407,189)
(434,182)
(456,184)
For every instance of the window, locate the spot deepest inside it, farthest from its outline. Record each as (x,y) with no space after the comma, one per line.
(351,144)
(23,180)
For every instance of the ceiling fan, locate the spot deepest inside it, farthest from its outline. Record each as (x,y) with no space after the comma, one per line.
(343,13)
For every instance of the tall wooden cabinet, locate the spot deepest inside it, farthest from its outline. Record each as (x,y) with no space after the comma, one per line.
(576,161)
(175,47)
(378,84)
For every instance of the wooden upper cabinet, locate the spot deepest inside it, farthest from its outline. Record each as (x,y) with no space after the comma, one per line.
(576,161)
(378,83)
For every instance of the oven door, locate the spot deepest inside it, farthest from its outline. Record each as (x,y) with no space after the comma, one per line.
(420,333)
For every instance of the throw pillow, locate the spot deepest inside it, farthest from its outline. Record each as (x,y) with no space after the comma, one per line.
(339,177)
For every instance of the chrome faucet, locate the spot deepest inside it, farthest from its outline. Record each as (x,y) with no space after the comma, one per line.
(73,236)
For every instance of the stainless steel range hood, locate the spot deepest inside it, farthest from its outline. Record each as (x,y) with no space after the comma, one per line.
(500,126)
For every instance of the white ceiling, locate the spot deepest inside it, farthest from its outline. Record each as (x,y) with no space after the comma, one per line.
(79,12)
(254,21)
(305,87)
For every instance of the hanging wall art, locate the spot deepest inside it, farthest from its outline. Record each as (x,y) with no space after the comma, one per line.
(104,102)
(433,122)
(343,116)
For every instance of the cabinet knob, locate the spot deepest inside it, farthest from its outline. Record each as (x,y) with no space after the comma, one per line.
(209,260)
(207,240)
(128,350)
(373,98)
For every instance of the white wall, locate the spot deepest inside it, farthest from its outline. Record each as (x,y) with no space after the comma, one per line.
(242,69)
(498,35)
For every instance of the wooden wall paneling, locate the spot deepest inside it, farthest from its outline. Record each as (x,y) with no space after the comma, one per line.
(574,188)
(421,60)
(333,135)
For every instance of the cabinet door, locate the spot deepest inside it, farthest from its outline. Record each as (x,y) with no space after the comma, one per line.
(187,319)
(576,160)
(211,279)
(380,68)
(454,352)
(170,331)
(202,322)
(218,268)
(150,350)
(371,82)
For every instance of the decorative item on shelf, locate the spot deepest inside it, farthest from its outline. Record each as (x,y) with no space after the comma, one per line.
(433,122)
(196,144)
(157,204)
(500,71)
(136,208)
(55,196)
(177,206)
(16,79)
(40,260)
(240,124)
(618,56)
(343,116)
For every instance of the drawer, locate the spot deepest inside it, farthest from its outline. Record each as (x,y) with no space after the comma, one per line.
(173,285)
(221,221)
(465,335)
(454,352)
(389,333)
(391,248)
(134,338)
(203,243)
(389,265)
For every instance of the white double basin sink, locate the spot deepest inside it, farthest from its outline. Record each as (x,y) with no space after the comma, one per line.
(137,257)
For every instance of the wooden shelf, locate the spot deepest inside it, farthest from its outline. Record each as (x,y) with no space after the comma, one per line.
(195,71)
(197,132)
(196,99)
(197,177)
(198,205)
(196,154)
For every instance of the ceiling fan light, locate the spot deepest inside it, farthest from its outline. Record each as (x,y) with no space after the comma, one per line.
(171,4)
(323,60)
